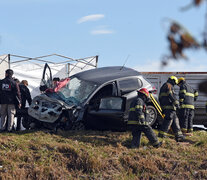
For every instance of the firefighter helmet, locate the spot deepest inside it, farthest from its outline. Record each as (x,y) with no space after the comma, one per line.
(181,79)
(175,79)
(144,91)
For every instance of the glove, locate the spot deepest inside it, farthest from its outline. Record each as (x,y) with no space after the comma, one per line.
(144,109)
(177,106)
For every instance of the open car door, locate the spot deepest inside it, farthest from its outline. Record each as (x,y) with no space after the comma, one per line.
(108,115)
(46,81)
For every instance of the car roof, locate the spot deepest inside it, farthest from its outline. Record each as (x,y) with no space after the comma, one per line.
(105,74)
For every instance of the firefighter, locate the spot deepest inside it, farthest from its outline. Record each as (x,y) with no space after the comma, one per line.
(138,120)
(187,97)
(169,104)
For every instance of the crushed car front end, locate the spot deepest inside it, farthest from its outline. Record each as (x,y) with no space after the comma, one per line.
(50,113)
(63,108)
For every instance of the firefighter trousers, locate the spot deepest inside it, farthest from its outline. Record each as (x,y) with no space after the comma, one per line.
(186,119)
(149,133)
(170,120)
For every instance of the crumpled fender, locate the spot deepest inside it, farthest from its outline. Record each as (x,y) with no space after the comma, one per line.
(46,109)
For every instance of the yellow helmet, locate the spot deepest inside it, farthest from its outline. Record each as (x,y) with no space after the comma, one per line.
(181,79)
(174,78)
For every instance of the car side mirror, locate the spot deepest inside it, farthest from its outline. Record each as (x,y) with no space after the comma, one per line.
(78,108)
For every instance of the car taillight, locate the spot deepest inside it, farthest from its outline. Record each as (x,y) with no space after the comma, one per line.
(154,91)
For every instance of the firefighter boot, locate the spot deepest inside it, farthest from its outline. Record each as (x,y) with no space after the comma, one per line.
(180,138)
(158,145)
(162,134)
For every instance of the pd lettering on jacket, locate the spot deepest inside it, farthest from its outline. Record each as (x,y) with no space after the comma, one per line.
(6,87)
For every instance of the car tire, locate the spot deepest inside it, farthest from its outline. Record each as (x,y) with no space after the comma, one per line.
(30,123)
(152,113)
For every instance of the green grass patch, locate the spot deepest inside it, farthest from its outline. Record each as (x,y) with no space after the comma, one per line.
(99,155)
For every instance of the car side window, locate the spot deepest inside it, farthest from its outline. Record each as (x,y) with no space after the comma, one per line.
(140,84)
(111,103)
(131,84)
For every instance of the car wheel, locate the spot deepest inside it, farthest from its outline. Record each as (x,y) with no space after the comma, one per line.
(51,126)
(152,113)
(78,126)
(30,123)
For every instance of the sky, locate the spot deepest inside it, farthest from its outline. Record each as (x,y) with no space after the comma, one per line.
(131,33)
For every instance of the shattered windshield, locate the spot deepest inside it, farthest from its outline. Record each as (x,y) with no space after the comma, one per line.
(76,91)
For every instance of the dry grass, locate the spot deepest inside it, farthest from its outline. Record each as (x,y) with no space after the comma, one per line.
(99,155)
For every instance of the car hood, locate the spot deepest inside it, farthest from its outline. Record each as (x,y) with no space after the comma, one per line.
(46,109)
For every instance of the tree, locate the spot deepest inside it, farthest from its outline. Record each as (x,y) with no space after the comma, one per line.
(179,38)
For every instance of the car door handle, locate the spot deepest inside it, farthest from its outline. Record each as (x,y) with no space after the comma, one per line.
(119,115)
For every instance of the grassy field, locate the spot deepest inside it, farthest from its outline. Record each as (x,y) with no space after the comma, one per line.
(99,155)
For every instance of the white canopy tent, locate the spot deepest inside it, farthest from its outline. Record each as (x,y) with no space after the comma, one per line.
(4,64)
(31,69)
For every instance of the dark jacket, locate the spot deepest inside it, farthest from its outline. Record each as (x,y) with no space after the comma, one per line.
(187,96)
(167,97)
(25,95)
(206,108)
(138,113)
(9,91)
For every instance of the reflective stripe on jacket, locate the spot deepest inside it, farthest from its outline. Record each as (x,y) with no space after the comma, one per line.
(138,112)
(187,96)
(167,97)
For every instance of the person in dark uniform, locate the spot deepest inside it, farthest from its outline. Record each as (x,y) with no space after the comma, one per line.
(9,95)
(187,97)
(169,104)
(26,97)
(206,108)
(138,120)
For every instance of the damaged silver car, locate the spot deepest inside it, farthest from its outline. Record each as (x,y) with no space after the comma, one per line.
(93,99)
